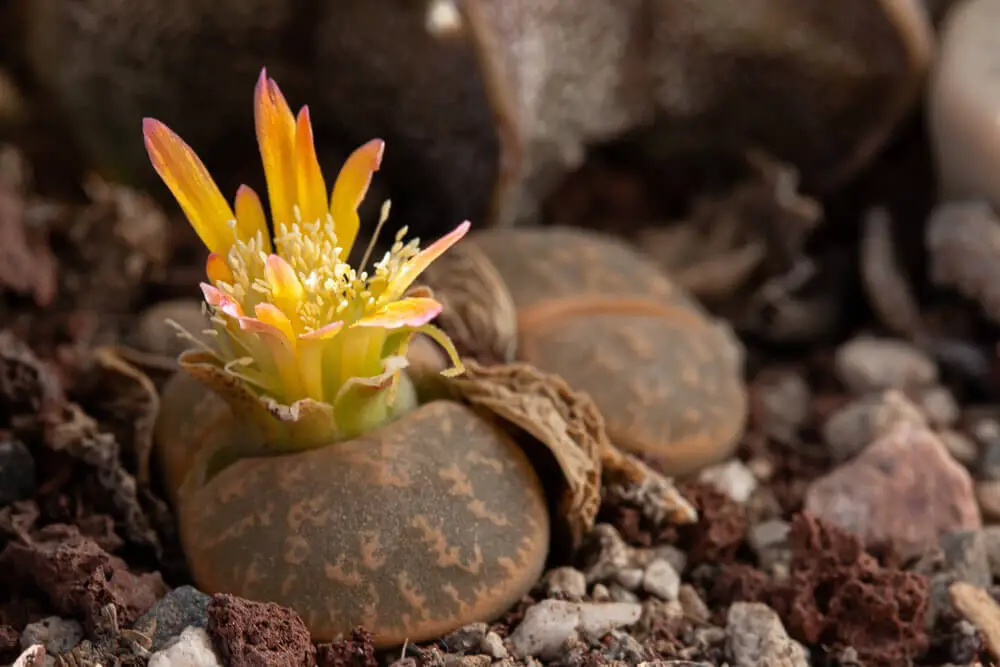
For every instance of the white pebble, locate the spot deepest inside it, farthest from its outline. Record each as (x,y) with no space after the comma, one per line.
(192,649)
(661,580)
(732,478)
(550,624)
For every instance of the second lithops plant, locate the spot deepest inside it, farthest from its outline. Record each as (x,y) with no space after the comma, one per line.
(308,465)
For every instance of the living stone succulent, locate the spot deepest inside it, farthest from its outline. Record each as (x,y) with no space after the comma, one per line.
(489,103)
(310,464)
(667,378)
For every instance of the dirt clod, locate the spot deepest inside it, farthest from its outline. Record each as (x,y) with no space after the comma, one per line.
(77,577)
(258,634)
(357,651)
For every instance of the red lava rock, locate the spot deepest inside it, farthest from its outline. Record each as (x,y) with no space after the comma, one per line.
(258,634)
(77,576)
(837,596)
(904,489)
(840,596)
(721,526)
(357,651)
(717,535)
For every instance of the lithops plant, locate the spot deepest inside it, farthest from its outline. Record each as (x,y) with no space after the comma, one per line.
(488,103)
(307,464)
(667,378)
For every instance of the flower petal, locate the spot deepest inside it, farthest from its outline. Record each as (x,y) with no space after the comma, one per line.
(219,299)
(191,184)
(324,332)
(286,289)
(350,189)
(250,220)
(405,313)
(271,315)
(313,203)
(409,273)
(276,137)
(217,269)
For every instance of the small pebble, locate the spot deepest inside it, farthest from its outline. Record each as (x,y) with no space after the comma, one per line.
(961,447)
(694,607)
(181,608)
(866,365)
(661,580)
(668,552)
(17,471)
(980,609)
(629,577)
(619,593)
(851,428)
(781,402)
(612,553)
(965,559)
(465,638)
(732,478)
(600,593)
(566,582)
(939,406)
(492,645)
(56,634)
(192,648)
(904,488)
(769,541)
(550,624)
(755,637)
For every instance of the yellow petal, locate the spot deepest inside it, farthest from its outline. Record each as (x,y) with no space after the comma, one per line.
(191,184)
(218,270)
(406,313)
(324,332)
(350,189)
(405,277)
(271,315)
(250,220)
(276,137)
(286,289)
(311,186)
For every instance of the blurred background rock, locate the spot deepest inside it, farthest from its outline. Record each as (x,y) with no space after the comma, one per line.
(486,105)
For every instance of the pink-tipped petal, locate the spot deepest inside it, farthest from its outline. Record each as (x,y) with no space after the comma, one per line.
(412,312)
(419,264)
(219,299)
(284,282)
(272,316)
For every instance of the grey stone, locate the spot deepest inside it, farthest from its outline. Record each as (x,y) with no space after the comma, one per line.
(867,364)
(179,609)
(548,626)
(566,582)
(57,635)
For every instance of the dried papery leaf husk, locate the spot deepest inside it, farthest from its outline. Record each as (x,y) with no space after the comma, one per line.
(478,310)
(666,377)
(569,425)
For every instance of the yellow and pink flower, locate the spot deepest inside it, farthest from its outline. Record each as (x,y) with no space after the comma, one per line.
(294,322)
